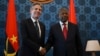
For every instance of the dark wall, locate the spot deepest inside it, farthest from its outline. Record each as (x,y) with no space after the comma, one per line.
(87,12)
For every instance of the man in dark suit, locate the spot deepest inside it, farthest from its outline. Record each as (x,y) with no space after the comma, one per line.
(64,37)
(33,33)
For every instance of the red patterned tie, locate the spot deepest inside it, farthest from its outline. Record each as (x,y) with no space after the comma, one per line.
(65,31)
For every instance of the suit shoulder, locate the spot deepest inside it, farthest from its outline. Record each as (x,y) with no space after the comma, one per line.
(54,25)
(41,23)
(73,24)
(25,20)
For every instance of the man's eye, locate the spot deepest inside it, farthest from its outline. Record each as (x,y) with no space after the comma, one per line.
(35,8)
(40,9)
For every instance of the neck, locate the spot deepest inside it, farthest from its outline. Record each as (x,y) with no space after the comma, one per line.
(35,18)
(64,21)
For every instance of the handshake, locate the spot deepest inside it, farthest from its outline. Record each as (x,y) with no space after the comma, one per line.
(42,51)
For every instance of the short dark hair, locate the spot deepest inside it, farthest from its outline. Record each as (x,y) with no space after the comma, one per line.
(63,9)
(36,4)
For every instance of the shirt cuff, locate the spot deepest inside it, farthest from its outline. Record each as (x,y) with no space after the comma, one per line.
(40,48)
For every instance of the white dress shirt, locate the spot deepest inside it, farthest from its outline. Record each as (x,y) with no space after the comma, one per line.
(61,24)
(39,29)
(37,24)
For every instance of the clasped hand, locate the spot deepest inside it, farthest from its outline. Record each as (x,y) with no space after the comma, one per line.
(42,51)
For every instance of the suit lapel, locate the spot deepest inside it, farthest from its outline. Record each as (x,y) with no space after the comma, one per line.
(70,30)
(61,33)
(32,26)
(59,30)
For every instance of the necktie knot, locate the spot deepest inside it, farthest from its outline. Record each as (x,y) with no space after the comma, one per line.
(35,22)
(64,23)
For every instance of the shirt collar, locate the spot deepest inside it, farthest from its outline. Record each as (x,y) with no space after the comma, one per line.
(33,19)
(62,22)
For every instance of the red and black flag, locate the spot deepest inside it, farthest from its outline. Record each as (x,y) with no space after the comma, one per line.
(12,44)
(72,13)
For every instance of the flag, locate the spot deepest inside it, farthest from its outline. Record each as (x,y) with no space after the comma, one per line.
(11,29)
(72,14)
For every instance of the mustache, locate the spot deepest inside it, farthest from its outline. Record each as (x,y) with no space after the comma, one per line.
(63,18)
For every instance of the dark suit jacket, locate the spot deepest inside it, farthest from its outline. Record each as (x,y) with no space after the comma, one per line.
(31,41)
(70,47)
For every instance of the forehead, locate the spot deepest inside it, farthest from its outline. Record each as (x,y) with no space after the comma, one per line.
(63,10)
